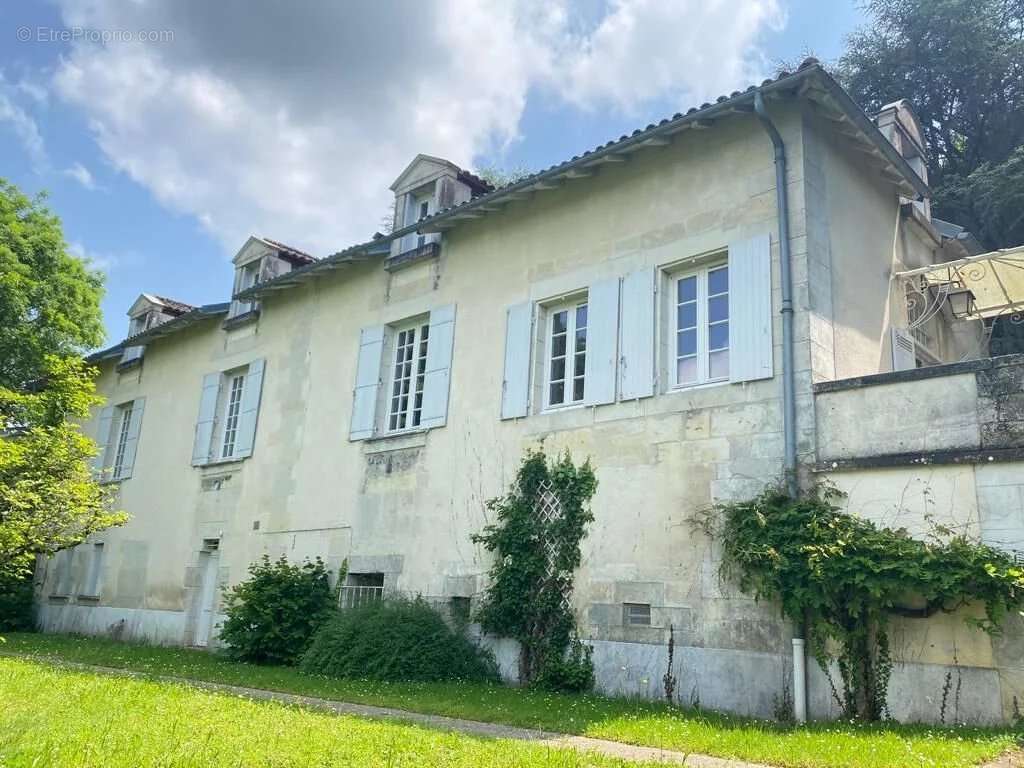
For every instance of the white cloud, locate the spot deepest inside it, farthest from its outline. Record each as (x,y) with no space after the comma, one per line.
(291,120)
(101,261)
(82,175)
(24,127)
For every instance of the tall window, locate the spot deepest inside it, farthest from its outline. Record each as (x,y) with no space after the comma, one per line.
(424,211)
(231,412)
(122,438)
(566,354)
(701,342)
(407,378)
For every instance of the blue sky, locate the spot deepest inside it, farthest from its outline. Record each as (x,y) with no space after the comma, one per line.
(160,155)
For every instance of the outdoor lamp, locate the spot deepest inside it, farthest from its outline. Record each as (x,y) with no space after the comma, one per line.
(961,302)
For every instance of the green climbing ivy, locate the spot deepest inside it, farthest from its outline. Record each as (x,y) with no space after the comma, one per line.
(842,577)
(534,562)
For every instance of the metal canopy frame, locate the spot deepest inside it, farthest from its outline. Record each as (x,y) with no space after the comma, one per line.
(996,279)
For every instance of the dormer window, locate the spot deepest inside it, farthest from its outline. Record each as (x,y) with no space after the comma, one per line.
(259,261)
(148,311)
(426,186)
(246,276)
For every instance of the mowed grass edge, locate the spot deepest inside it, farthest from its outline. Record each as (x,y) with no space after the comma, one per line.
(62,717)
(820,745)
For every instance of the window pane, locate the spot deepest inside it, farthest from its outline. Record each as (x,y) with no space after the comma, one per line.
(687,290)
(718,281)
(686,343)
(719,336)
(558,321)
(558,369)
(577,390)
(718,309)
(686,370)
(557,393)
(687,315)
(581,316)
(719,364)
(581,364)
(581,340)
(558,346)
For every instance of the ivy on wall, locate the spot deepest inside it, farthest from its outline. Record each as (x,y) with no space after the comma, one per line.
(536,545)
(842,577)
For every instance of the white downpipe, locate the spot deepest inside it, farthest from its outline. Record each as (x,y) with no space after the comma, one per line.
(799,680)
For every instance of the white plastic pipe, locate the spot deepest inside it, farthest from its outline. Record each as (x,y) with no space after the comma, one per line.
(799,680)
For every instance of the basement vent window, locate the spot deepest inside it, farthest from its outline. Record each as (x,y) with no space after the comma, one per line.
(636,614)
(459,609)
(361,589)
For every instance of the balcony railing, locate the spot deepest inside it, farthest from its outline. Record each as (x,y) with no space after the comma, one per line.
(355,596)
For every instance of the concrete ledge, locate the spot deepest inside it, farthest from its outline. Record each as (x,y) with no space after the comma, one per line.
(917,374)
(922,459)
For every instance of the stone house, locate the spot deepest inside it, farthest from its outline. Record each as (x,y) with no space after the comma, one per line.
(661,304)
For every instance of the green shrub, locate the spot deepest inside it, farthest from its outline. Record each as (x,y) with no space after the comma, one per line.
(573,673)
(271,617)
(395,639)
(16,609)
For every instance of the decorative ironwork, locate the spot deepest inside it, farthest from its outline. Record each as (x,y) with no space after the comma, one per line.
(549,509)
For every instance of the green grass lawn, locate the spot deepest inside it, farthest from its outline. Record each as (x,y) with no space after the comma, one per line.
(647,723)
(61,717)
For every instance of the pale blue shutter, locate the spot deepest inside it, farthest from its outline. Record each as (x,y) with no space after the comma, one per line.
(602,342)
(750,309)
(132,438)
(249,412)
(437,379)
(204,423)
(515,389)
(103,428)
(636,358)
(364,397)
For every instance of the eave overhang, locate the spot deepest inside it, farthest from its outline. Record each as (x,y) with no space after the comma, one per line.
(180,323)
(810,82)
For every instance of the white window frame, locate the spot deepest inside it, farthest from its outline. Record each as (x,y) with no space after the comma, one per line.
(234,383)
(570,374)
(124,412)
(703,326)
(407,418)
(246,276)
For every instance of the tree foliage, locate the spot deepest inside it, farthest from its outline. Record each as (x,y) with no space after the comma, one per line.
(49,499)
(49,299)
(842,577)
(961,64)
(395,639)
(500,177)
(534,562)
(272,615)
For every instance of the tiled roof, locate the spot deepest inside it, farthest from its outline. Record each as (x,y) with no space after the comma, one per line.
(292,254)
(737,101)
(809,81)
(193,316)
(176,307)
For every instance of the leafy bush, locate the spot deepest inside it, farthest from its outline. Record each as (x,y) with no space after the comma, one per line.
(572,673)
(16,613)
(843,577)
(271,617)
(395,639)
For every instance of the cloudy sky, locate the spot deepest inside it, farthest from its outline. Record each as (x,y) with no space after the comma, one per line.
(166,131)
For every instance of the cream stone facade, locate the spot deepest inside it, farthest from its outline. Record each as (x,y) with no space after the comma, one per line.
(270,426)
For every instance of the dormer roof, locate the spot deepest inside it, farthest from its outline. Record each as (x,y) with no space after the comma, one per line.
(147,301)
(256,246)
(428,166)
